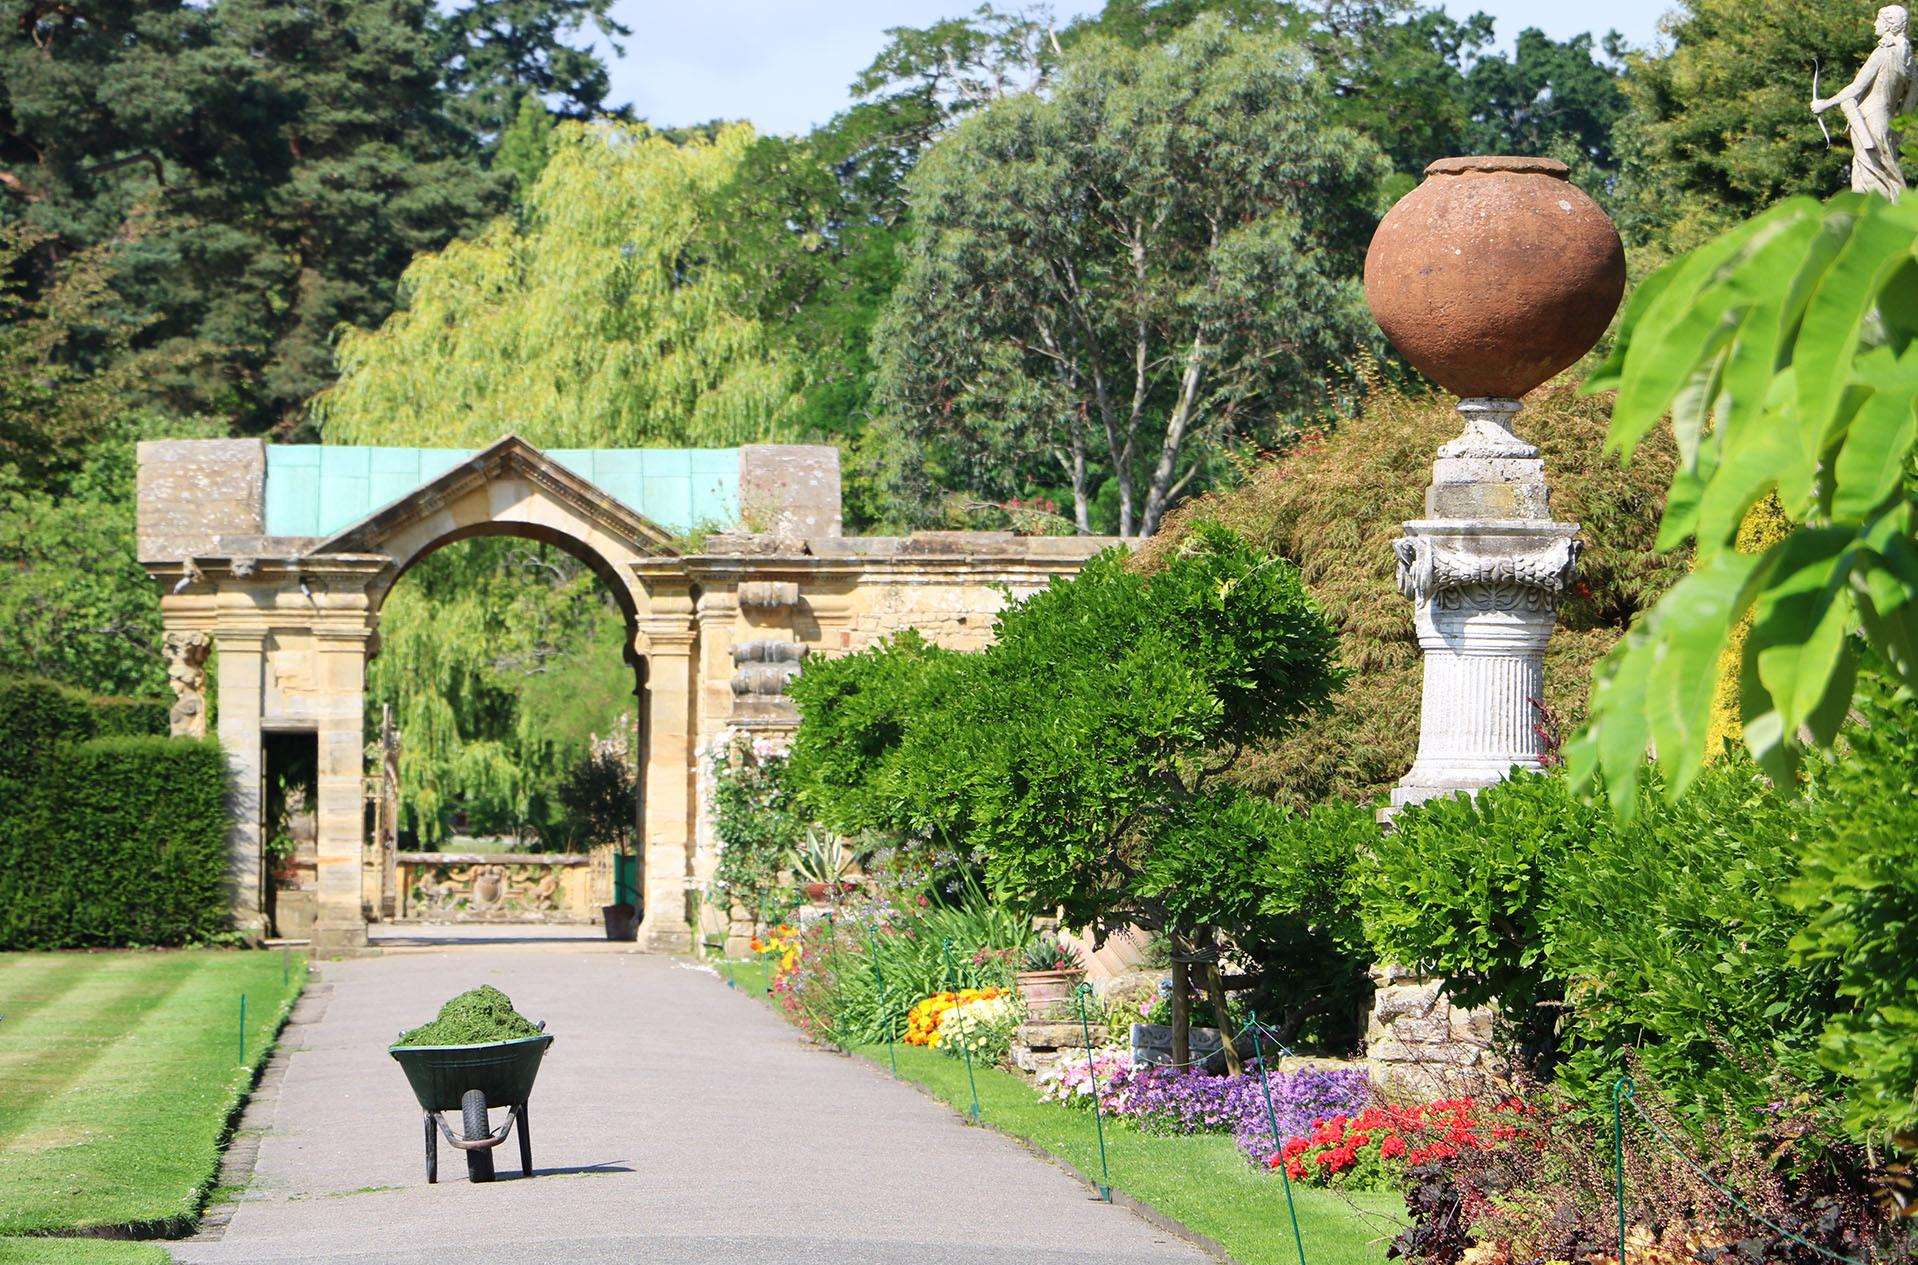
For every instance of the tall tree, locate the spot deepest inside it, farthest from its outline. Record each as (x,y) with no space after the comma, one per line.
(498,53)
(597,317)
(1119,277)
(284,159)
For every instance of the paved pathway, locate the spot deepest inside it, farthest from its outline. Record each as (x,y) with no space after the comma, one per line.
(675,1120)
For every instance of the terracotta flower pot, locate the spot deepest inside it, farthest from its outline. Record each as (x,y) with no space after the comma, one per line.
(1494,274)
(1047,994)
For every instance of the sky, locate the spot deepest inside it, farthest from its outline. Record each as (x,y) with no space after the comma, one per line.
(786,64)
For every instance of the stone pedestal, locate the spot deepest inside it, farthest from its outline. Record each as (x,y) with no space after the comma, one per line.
(1485,569)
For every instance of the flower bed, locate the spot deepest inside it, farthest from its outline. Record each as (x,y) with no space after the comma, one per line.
(1377,1147)
(924,1019)
(1173,1101)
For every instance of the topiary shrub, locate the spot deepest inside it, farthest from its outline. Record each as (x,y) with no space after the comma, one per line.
(1332,503)
(121,841)
(123,716)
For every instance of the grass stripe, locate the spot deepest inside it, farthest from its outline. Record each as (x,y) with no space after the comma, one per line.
(133,1138)
(47,1053)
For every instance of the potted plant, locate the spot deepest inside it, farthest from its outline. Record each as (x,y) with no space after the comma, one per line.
(598,793)
(1049,970)
(820,866)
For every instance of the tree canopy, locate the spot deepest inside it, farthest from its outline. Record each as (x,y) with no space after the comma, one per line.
(595,317)
(1116,279)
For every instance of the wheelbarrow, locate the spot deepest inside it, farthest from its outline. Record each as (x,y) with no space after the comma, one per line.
(469,1079)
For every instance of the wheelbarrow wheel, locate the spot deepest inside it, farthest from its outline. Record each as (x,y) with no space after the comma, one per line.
(525,1145)
(479,1163)
(432,1150)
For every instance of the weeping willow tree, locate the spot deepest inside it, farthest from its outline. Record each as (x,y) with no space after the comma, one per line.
(600,314)
(597,315)
(500,659)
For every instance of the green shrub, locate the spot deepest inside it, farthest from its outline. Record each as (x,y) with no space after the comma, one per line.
(36,717)
(1665,936)
(1459,887)
(122,842)
(122,716)
(1858,887)
(1670,934)
(758,827)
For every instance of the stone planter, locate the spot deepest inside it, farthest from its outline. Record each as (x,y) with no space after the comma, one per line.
(1152,1046)
(1048,994)
(622,921)
(1494,274)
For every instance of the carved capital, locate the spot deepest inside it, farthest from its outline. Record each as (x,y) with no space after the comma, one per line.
(1428,571)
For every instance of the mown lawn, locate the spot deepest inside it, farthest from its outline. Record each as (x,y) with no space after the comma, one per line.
(80,1252)
(1201,1181)
(121,1071)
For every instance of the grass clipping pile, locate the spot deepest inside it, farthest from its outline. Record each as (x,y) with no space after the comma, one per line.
(475,1017)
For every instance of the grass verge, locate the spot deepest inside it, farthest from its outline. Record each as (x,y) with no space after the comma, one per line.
(1200,1181)
(124,1073)
(80,1252)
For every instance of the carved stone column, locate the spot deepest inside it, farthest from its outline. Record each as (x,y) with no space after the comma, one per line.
(1484,572)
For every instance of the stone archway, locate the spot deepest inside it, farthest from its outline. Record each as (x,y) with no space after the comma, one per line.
(280,558)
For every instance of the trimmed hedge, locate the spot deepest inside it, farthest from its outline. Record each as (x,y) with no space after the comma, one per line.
(121,716)
(105,841)
(36,717)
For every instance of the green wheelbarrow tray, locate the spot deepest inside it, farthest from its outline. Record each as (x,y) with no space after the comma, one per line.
(469,1079)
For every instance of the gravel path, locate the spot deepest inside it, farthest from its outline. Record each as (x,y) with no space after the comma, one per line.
(675,1120)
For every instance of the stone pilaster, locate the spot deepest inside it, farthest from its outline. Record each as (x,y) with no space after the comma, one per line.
(340,653)
(242,668)
(668,640)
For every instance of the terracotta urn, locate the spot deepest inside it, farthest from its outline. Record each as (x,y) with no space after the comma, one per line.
(1494,274)
(1047,994)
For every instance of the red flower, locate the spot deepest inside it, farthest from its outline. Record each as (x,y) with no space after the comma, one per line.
(1392,1147)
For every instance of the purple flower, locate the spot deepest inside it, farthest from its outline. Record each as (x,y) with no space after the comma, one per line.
(1164,1100)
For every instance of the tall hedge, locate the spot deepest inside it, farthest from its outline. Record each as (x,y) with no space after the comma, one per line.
(122,716)
(105,841)
(36,717)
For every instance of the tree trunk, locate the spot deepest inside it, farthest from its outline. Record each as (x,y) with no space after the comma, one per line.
(1215,989)
(1181,1005)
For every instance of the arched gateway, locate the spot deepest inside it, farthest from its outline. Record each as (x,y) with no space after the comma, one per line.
(279,556)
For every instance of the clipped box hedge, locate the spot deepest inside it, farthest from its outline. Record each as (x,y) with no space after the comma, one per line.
(109,840)
(119,716)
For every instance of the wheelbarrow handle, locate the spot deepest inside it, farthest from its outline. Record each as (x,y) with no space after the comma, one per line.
(486,1143)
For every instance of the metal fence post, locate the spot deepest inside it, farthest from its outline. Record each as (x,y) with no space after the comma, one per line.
(879,979)
(972,1113)
(1092,1072)
(1278,1149)
(1621,1090)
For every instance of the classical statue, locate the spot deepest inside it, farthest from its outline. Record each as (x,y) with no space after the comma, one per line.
(1884,89)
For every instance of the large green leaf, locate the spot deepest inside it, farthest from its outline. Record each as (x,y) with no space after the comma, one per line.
(1695,622)
(1800,619)
(1871,466)
(1880,242)
(1661,345)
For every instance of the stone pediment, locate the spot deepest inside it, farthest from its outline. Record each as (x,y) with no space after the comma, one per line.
(509,459)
